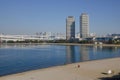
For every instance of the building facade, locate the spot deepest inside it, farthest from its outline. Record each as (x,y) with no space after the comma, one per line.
(70,28)
(84,25)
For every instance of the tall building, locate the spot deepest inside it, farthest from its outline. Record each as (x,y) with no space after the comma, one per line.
(84,25)
(70,28)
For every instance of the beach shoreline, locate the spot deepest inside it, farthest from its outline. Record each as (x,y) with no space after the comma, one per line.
(90,70)
(66,44)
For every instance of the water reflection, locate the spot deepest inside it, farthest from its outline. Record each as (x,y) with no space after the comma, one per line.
(14,45)
(76,54)
(4,46)
(70,54)
(109,49)
(84,53)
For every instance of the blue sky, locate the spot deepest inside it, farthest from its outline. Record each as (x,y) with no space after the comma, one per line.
(31,16)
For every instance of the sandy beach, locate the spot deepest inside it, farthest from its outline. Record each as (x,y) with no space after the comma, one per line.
(64,44)
(90,70)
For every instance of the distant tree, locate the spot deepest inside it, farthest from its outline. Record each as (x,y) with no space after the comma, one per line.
(10,41)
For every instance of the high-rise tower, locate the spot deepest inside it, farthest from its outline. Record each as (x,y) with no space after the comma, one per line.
(84,25)
(70,28)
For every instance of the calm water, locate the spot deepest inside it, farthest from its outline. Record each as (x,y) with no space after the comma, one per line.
(19,58)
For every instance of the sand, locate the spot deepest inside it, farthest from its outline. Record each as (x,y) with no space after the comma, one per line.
(64,44)
(90,70)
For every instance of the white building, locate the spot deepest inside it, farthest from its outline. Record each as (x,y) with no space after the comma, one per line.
(84,25)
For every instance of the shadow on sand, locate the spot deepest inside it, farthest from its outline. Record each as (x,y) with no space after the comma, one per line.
(115,77)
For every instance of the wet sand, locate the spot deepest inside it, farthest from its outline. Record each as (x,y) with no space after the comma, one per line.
(90,70)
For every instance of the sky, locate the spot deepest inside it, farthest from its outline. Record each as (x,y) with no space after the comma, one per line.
(31,16)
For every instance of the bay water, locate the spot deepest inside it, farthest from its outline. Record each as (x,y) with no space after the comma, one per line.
(20,58)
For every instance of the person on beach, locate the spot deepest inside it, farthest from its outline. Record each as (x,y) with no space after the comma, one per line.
(78,66)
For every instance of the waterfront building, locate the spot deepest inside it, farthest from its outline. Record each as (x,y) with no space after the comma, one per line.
(84,25)
(77,35)
(115,35)
(70,28)
(38,36)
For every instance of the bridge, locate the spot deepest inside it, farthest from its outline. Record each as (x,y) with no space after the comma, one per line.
(20,37)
